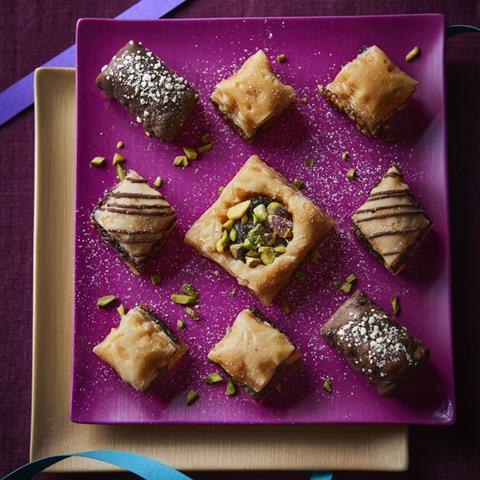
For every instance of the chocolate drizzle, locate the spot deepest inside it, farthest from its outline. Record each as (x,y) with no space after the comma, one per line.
(136,195)
(138,213)
(396,232)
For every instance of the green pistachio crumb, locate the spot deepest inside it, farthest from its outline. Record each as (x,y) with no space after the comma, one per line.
(213,377)
(228,225)
(351,174)
(260,213)
(205,138)
(233,235)
(309,162)
(222,243)
(221,189)
(189,289)
(395,305)
(327,385)
(321,89)
(314,256)
(298,184)
(97,161)
(346,287)
(190,153)
(351,278)
(180,161)
(286,306)
(105,301)
(252,262)
(120,144)
(155,278)
(117,158)
(412,54)
(231,390)
(281,58)
(280,248)
(192,397)
(192,313)
(180,324)
(183,299)
(205,148)
(158,182)
(300,276)
(279,387)
(344,156)
(120,172)
(121,310)
(238,210)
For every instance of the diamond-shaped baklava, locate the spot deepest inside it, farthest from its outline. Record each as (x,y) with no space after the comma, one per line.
(391,221)
(135,219)
(260,229)
(153,93)
(141,348)
(370,89)
(373,343)
(253,96)
(253,351)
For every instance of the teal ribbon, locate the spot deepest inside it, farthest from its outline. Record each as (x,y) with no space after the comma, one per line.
(321,476)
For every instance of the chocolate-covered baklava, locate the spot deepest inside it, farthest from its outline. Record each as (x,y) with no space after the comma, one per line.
(370,89)
(260,229)
(373,343)
(391,221)
(135,219)
(253,96)
(253,351)
(153,93)
(141,348)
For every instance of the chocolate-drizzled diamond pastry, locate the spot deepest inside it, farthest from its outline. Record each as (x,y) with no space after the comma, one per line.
(391,221)
(135,219)
(141,349)
(253,96)
(153,93)
(373,343)
(370,89)
(253,352)
(260,229)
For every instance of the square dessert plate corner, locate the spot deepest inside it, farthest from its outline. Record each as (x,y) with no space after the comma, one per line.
(205,51)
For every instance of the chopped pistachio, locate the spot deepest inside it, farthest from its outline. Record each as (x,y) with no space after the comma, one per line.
(395,305)
(120,144)
(205,138)
(260,212)
(189,289)
(105,301)
(183,299)
(158,182)
(309,162)
(244,219)
(180,161)
(231,390)
(279,387)
(233,235)
(190,153)
(321,89)
(281,58)
(213,377)
(232,293)
(192,397)
(228,225)
(253,254)
(237,211)
(280,248)
(272,207)
(304,100)
(286,306)
(298,184)
(121,310)
(222,242)
(205,148)
(314,256)
(221,188)
(351,174)
(180,324)
(267,255)
(155,278)
(247,243)
(97,161)
(117,158)
(327,385)
(344,156)
(412,54)
(346,287)
(351,278)
(120,172)
(300,276)
(192,313)
(252,262)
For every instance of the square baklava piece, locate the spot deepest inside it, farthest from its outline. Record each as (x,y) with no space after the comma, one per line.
(141,349)
(135,219)
(373,343)
(158,98)
(260,229)
(253,96)
(253,352)
(370,89)
(391,222)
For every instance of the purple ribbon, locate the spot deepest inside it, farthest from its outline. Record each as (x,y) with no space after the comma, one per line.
(19,96)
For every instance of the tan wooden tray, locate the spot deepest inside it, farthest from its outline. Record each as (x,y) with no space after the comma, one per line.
(196,447)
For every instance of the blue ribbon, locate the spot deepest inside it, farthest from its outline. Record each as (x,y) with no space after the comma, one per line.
(321,476)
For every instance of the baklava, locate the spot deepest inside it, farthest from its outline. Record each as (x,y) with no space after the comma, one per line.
(370,89)
(141,349)
(391,222)
(158,98)
(260,229)
(253,352)
(253,96)
(135,219)
(373,343)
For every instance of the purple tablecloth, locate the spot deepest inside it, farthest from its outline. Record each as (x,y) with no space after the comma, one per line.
(33,31)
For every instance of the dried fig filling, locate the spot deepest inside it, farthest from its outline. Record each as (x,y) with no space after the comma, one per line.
(257,231)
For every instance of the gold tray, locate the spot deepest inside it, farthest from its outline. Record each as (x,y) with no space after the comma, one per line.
(190,447)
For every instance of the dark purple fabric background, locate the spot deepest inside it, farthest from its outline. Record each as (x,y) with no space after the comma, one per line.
(33,31)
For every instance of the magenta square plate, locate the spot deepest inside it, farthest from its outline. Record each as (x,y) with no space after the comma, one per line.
(206,51)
